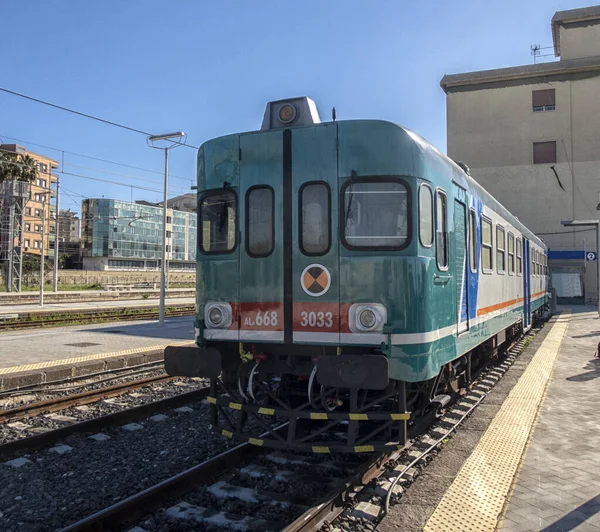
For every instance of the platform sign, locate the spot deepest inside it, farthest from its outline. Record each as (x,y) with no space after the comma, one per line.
(591,256)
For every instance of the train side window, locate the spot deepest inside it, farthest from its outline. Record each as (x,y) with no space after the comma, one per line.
(500,249)
(472,241)
(426,215)
(533,264)
(260,228)
(315,218)
(486,245)
(519,257)
(218,222)
(441,229)
(511,254)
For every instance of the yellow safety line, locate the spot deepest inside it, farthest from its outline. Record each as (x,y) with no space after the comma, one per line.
(61,362)
(477,495)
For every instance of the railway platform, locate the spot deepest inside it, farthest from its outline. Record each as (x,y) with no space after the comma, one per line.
(42,355)
(528,459)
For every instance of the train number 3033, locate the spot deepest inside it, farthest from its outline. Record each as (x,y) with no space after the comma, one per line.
(316,319)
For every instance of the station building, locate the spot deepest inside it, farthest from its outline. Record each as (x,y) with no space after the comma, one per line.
(119,235)
(530,136)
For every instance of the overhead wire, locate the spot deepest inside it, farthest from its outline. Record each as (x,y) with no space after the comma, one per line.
(96,158)
(85,115)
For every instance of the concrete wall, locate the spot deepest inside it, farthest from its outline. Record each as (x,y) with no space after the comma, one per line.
(579,41)
(493,131)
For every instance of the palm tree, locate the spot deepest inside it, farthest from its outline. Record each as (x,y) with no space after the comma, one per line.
(14,166)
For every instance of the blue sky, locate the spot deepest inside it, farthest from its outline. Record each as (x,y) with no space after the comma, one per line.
(208,68)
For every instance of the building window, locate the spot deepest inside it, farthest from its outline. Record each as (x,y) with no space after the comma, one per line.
(26,243)
(472,241)
(38,212)
(425,216)
(314,220)
(168,234)
(27,227)
(543,100)
(511,254)
(486,245)
(28,211)
(441,230)
(500,249)
(169,220)
(375,214)
(43,167)
(544,152)
(37,228)
(37,244)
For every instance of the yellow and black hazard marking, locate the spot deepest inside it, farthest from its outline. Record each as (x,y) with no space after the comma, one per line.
(307,414)
(316,280)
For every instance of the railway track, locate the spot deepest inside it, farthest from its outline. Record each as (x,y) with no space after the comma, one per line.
(251,488)
(34,321)
(41,439)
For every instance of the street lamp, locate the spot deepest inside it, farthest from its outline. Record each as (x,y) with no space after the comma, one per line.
(173,139)
(589,223)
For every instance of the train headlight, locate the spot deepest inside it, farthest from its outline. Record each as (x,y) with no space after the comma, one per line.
(367,317)
(217,315)
(287,113)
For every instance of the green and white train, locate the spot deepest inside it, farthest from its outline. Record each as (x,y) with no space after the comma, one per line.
(348,274)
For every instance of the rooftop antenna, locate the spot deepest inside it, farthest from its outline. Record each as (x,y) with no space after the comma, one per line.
(535,51)
(333,114)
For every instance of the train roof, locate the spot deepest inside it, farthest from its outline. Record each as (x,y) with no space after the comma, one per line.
(428,162)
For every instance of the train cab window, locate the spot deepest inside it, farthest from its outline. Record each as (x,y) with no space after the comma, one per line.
(375,214)
(315,218)
(426,215)
(486,245)
(218,222)
(511,254)
(472,241)
(260,229)
(519,256)
(441,230)
(500,249)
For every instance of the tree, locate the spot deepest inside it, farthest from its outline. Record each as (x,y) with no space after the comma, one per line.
(15,166)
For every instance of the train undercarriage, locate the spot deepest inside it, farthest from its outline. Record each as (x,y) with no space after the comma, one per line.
(286,397)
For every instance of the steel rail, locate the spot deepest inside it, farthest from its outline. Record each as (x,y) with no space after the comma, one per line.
(109,420)
(86,317)
(78,399)
(141,503)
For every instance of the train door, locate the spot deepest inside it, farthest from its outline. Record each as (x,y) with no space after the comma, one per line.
(460,266)
(310,216)
(526,285)
(261,279)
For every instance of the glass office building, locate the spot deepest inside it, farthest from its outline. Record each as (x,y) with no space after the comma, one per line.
(118,235)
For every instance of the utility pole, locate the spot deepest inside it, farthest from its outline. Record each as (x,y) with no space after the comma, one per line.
(42,252)
(56,237)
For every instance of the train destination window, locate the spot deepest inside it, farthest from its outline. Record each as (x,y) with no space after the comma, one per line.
(376,214)
(486,245)
(511,254)
(472,241)
(218,224)
(260,229)
(519,257)
(441,230)
(500,249)
(425,215)
(315,218)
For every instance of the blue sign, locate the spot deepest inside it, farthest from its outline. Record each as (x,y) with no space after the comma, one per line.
(591,255)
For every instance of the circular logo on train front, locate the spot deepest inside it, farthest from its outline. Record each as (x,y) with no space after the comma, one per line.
(315,280)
